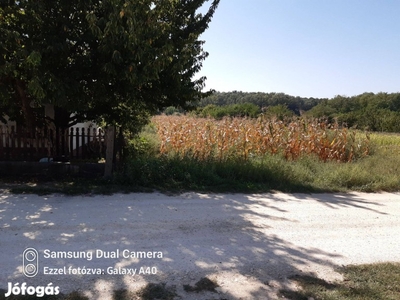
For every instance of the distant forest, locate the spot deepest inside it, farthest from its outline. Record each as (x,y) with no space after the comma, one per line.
(375,112)
(296,104)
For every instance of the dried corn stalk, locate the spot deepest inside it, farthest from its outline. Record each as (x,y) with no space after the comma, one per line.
(241,138)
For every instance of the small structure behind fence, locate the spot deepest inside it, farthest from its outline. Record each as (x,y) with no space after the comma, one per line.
(19,144)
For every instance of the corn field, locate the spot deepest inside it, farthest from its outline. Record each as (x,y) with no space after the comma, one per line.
(240,138)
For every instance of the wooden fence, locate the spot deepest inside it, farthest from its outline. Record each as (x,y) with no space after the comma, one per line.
(19,144)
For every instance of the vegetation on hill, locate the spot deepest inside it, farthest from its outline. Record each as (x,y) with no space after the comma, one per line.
(296,104)
(231,110)
(367,111)
(374,112)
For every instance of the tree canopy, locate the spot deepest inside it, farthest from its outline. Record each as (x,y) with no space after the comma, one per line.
(111,60)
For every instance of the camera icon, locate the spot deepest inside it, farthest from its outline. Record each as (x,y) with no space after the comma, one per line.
(30,260)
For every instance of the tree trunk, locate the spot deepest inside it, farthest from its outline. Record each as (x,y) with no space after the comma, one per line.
(109,152)
(26,108)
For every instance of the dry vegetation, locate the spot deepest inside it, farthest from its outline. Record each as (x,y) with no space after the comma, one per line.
(239,138)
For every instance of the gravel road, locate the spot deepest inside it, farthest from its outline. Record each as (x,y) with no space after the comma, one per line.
(247,244)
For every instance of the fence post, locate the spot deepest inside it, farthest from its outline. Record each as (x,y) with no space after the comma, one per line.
(63,142)
(52,143)
(101,136)
(56,149)
(83,143)
(77,142)
(29,143)
(2,156)
(18,142)
(110,135)
(24,144)
(88,148)
(94,140)
(71,143)
(12,152)
(7,142)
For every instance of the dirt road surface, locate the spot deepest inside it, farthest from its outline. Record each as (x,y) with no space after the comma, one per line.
(249,245)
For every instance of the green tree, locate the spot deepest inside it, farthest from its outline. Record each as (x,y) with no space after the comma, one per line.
(113,59)
(117,61)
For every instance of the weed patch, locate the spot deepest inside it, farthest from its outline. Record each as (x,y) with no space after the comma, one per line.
(157,291)
(364,282)
(204,284)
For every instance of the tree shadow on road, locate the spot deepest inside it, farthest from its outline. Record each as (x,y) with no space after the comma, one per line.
(229,239)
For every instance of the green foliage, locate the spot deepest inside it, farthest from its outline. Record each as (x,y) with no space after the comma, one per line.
(172,110)
(174,173)
(375,112)
(234,110)
(114,60)
(279,111)
(296,104)
(146,143)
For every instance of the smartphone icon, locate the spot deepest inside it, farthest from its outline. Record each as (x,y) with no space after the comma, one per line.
(30,259)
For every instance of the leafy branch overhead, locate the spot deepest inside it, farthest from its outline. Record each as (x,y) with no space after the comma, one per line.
(112,60)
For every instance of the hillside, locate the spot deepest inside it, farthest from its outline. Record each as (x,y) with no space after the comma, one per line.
(375,112)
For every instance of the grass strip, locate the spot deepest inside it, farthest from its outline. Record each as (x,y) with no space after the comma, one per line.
(362,282)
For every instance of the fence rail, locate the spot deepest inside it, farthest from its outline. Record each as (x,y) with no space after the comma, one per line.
(18,143)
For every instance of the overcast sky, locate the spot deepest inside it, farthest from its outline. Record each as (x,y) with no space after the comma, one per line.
(309,48)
